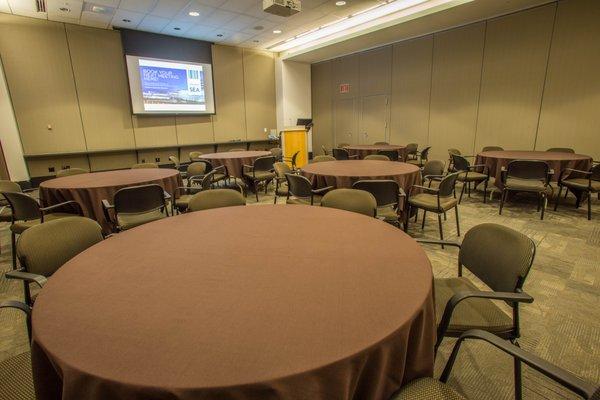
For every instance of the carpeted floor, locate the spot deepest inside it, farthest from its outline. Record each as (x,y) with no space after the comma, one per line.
(562,325)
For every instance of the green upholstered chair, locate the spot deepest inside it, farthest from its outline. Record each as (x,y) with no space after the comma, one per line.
(469,175)
(323,158)
(433,389)
(194,155)
(527,176)
(136,205)
(281,188)
(492,148)
(261,171)
(380,143)
(437,200)
(582,182)
(561,150)
(411,151)
(216,198)
(388,195)
(197,182)
(354,200)
(198,169)
(44,248)
(422,157)
(300,190)
(433,171)
(392,155)
(71,171)
(144,165)
(342,154)
(27,212)
(377,157)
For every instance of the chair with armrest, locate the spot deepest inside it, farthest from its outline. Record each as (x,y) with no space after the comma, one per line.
(468,175)
(376,157)
(391,154)
(492,148)
(432,389)
(177,164)
(71,171)
(561,150)
(582,182)
(261,170)
(277,152)
(144,165)
(200,181)
(422,157)
(411,151)
(136,205)
(292,160)
(195,155)
(281,188)
(300,190)
(27,212)
(433,171)
(527,176)
(216,198)
(354,200)
(325,151)
(380,143)
(388,195)
(5,210)
(342,154)
(323,158)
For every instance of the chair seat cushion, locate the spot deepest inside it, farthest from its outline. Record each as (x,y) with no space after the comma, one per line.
(472,313)
(128,221)
(183,201)
(5,214)
(581,184)
(532,185)
(387,213)
(260,175)
(429,202)
(21,226)
(427,389)
(218,177)
(472,176)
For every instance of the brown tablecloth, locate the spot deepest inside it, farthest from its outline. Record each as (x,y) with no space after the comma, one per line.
(363,150)
(496,160)
(212,305)
(90,189)
(234,160)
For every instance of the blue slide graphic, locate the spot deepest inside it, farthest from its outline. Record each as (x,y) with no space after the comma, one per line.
(162,85)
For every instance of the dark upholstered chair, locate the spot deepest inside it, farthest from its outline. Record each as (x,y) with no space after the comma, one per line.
(377,157)
(216,198)
(381,143)
(432,389)
(433,171)
(323,158)
(342,154)
(411,151)
(292,160)
(300,190)
(354,200)
(388,195)
(454,152)
(492,148)
(437,200)
(561,150)
(198,169)
(261,170)
(195,155)
(391,154)
(527,176)
(16,378)
(144,165)
(583,182)
(27,212)
(136,205)
(422,157)
(468,175)
(71,171)
(281,188)
(5,210)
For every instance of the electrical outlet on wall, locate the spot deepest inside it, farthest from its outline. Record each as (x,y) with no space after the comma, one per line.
(157,159)
(50,169)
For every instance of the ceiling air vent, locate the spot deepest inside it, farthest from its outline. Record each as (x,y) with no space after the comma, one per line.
(40,5)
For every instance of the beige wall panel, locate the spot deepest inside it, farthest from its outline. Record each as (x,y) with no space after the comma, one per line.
(150,155)
(259,93)
(38,70)
(375,71)
(184,152)
(154,131)
(322,131)
(101,81)
(345,70)
(230,119)
(39,166)
(194,129)
(570,114)
(514,68)
(456,78)
(108,161)
(411,89)
(262,146)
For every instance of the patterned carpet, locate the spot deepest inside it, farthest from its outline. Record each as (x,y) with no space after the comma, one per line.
(562,325)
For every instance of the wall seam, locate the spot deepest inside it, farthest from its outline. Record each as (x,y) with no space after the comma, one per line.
(245,100)
(430,88)
(485,28)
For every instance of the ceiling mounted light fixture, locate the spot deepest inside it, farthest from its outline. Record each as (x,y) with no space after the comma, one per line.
(126,20)
(277,31)
(193,13)
(340,3)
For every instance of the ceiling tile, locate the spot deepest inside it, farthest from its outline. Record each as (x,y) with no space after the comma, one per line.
(242,22)
(26,8)
(109,3)
(219,18)
(238,5)
(143,6)
(169,8)
(265,23)
(237,38)
(177,28)
(95,19)
(201,32)
(127,19)
(210,3)
(64,10)
(4,7)
(152,23)
(184,15)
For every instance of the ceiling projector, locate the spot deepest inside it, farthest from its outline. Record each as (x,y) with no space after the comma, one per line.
(283,8)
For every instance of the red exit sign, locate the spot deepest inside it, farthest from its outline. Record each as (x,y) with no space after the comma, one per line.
(345,88)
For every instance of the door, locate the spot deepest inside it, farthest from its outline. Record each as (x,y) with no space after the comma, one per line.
(345,122)
(374,118)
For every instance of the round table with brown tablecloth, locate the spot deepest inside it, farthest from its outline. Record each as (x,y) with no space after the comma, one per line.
(363,150)
(90,189)
(340,307)
(496,160)
(234,161)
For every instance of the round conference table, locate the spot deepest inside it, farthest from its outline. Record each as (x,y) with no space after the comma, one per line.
(363,150)
(497,160)
(346,314)
(90,189)
(234,161)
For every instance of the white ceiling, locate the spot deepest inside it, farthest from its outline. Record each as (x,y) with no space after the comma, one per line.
(221,21)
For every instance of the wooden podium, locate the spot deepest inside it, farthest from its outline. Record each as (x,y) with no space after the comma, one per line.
(293,139)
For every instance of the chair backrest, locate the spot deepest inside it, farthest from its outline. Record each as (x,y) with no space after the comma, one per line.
(561,150)
(492,148)
(264,163)
(446,186)
(425,153)
(208,179)
(453,151)
(276,152)
(237,149)
(340,154)
(174,160)
(340,145)
(381,143)
(385,191)
(500,256)
(199,168)
(325,151)
(44,248)
(144,165)
(355,200)
(391,154)
(24,207)
(528,169)
(323,158)
(71,171)
(298,185)
(460,163)
(377,157)
(8,186)
(412,148)
(433,167)
(139,199)
(294,158)
(216,198)
(281,168)
(595,172)
(194,155)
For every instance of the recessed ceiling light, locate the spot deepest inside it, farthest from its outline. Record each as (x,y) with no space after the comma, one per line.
(220,35)
(98,9)
(177,28)
(277,31)
(340,3)
(258,28)
(194,13)
(126,20)
(255,41)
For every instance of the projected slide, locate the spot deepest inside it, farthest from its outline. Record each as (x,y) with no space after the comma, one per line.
(172,86)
